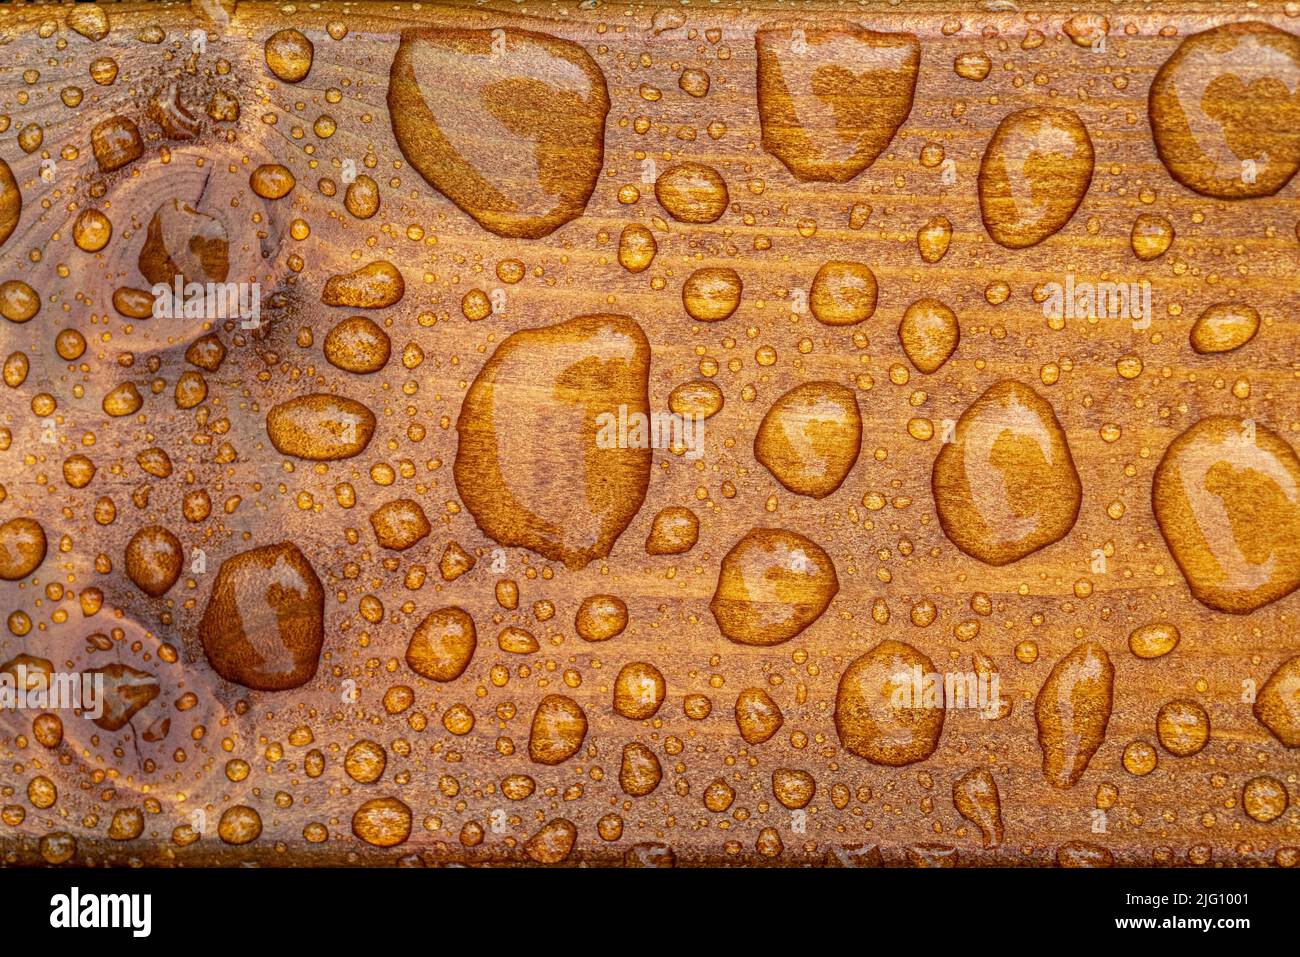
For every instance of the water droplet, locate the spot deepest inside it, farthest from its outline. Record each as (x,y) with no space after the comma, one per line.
(1006,485)
(1086,29)
(375,285)
(639,773)
(357,345)
(1277,706)
(1225,113)
(639,690)
(929,333)
(11,202)
(794,788)
(442,645)
(399,524)
(1083,854)
(1154,640)
(382,822)
(596,371)
(757,716)
(320,428)
(288,55)
(263,627)
(975,795)
(933,239)
(91,231)
(600,617)
(558,729)
(89,20)
(22,548)
(122,400)
(1073,709)
(507,124)
(810,437)
(674,531)
(843,293)
(832,95)
(553,843)
(153,560)
(1151,236)
(271,181)
(1227,498)
(877,712)
(362,197)
(365,762)
(1223,327)
(771,586)
(126,691)
(712,294)
(1183,727)
(1034,175)
(19,302)
(972,66)
(636,248)
(116,142)
(1264,798)
(181,241)
(692,193)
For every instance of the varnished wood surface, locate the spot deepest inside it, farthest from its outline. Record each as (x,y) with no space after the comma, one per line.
(776,232)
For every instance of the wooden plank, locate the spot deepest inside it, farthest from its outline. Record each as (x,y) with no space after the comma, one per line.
(514,151)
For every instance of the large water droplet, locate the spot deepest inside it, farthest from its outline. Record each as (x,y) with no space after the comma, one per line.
(264,624)
(1227,498)
(1006,485)
(880,712)
(545,458)
(320,427)
(832,95)
(772,585)
(507,124)
(1277,706)
(558,729)
(1223,327)
(810,437)
(1225,110)
(1034,175)
(1073,709)
(442,645)
(11,202)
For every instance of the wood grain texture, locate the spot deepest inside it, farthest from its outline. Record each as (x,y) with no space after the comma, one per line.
(205,744)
